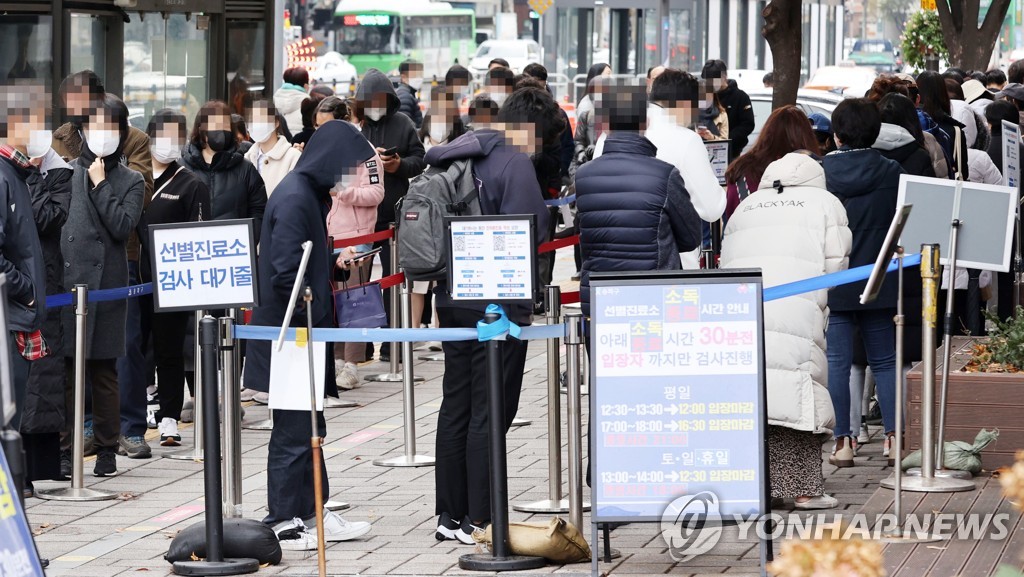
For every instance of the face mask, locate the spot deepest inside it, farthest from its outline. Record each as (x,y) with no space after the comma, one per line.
(705,104)
(102,143)
(261,131)
(416,83)
(439,131)
(219,140)
(375,114)
(39,143)
(165,150)
(499,98)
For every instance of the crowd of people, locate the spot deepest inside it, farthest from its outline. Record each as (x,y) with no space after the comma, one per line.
(311,165)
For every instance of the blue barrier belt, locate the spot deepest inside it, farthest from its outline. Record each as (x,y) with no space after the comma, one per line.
(258,333)
(561,201)
(499,328)
(102,295)
(832,280)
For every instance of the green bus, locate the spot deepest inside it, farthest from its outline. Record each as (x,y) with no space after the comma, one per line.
(382,33)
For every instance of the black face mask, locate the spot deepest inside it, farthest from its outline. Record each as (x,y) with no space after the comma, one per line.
(219,140)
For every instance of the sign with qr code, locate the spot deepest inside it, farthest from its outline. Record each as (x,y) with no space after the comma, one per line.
(492,259)
(203,265)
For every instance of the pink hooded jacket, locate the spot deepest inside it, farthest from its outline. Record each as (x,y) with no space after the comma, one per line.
(354,209)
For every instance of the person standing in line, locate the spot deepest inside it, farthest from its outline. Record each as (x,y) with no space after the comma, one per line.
(411,80)
(298,213)
(288,99)
(736,103)
(801,233)
(401,152)
(271,154)
(106,203)
(179,197)
(867,184)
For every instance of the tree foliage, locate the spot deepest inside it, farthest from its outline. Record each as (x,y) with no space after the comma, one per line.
(923,34)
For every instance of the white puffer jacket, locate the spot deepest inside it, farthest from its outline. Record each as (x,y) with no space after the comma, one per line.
(798,232)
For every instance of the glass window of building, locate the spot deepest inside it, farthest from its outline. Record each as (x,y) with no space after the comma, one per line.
(25,46)
(245,64)
(88,36)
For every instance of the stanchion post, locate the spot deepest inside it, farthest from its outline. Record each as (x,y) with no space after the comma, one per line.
(231,430)
(215,563)
(395,314)
(501,558)
(409,458)
(574,342)
(77,490)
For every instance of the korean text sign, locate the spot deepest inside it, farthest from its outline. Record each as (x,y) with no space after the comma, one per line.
(17,551)
(492,258)
(203,265)
(678,394)
(718,154)
(1011,154)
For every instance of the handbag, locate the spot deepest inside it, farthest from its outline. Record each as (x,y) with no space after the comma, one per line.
(558,540)
(360,307)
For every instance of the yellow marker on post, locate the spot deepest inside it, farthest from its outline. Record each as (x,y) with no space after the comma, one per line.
(301,337)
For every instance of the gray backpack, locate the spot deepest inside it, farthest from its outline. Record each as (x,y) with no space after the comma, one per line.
(433,195)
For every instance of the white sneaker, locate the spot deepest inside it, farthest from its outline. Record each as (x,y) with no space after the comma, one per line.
(247,395)
(347,375)
(169,436)
(293,536)
(262,398)
(150,419)
(337,529)
(863,438)
(818,502)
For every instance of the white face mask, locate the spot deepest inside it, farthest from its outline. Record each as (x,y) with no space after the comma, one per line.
(499,97)
(165,150)
(375,114)
(439,131)
(705,104)
(102,143)
(416,83)
(261,131)
(39,143)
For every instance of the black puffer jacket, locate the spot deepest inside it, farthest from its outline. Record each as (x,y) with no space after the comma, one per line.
(236,187)
(633,211)
(410,104)
(394,130)
(867,183)
(44,395)
(741,117)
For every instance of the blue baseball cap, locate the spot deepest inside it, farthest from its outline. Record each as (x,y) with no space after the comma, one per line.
(820,123)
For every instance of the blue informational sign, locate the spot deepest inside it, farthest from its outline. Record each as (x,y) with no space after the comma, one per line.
(677,393)
(17,550)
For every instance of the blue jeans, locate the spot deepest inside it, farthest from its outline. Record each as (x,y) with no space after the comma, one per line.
(131,368)
(879,335)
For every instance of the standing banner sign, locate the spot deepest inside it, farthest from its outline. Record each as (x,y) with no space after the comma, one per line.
(1011,154)
(718,154)
(492,259)
(203,265)
(18,556)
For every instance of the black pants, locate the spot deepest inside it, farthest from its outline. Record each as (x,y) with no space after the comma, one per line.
(462,471)
(106,402)
(169,331)
(290,468)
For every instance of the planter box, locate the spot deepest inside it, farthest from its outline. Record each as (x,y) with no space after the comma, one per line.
(975,401)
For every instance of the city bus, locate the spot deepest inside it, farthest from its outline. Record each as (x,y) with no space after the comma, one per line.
(382,33)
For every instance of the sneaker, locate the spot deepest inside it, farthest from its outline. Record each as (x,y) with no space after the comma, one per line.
(465,533)
(152,396)
(887,445)
(446,527)
(293,536)
(817,502)
(106,462)
(348,376)
(337,529)
(134,447)
(169,436)
(89,446)
(842,455)
(863,438)
(65,464)
(150,419)
(247,395)
(262,398)
(187,410)
(889,449)
(854,445)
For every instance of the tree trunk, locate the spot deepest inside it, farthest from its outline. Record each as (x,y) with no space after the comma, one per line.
(970,47)
(782,31)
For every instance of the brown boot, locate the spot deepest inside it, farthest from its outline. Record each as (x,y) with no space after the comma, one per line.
(842,456)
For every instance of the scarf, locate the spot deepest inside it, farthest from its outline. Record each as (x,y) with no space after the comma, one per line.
(15,156)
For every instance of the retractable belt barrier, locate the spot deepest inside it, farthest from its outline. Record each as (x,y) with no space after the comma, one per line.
(103,295)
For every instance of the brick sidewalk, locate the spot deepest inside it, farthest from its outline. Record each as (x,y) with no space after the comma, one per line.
(161,496)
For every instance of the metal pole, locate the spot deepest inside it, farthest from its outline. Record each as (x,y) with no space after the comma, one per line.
(574,340)
(897,459)
(409,458)
(77,490)
(395,313)
(231,428)
(196,453)
(314,439)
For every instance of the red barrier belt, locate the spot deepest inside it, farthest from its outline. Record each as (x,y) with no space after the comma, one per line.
(391,281)
(571,298)
(365,239)
(559,243)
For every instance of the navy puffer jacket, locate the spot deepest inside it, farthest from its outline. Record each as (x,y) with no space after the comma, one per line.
(633,211)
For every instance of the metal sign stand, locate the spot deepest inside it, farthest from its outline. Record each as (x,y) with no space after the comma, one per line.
(315,440)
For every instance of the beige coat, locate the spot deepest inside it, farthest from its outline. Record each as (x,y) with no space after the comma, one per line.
(274,165)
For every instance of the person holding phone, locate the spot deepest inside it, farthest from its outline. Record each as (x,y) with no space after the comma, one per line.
(395,139)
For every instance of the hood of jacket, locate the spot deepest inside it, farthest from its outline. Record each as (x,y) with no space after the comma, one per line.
(331,150)
(224,160)
(855,172)
(288,99)
(892,136)
(374,82)
(794,169)
(470,145)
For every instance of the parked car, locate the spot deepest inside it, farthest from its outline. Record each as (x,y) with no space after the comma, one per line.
(846,79)
(810,101)
(748,79)
(519,53)
(878,54)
